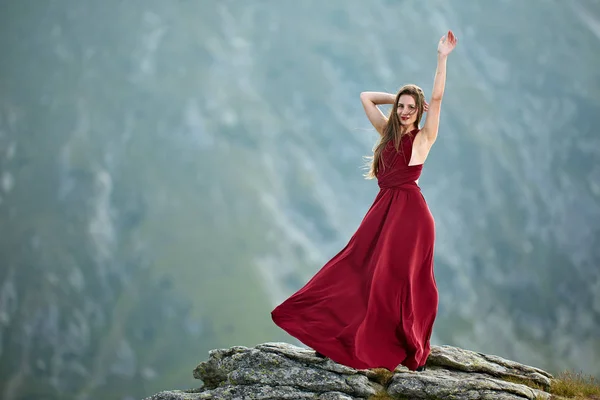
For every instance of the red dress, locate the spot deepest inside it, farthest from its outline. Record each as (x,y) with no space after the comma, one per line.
(374,303)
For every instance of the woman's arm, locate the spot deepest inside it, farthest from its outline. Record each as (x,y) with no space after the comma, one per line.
(432,120)
(370,101)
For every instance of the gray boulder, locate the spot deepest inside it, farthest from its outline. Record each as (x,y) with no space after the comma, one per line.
(276,371)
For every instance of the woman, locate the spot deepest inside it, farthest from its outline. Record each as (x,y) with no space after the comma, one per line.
(374,303)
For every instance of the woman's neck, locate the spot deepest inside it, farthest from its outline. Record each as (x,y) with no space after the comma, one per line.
(404,130)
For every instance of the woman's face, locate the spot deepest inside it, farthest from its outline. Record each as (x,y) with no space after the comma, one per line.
(407,110)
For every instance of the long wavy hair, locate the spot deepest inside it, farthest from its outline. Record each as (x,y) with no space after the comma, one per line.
(393,128)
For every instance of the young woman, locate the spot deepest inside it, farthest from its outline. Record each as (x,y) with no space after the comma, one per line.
(374,303)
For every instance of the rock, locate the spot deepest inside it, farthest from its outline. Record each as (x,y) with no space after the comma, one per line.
(276,371)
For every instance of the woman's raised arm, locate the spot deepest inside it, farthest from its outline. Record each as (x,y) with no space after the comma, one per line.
(370,101)
(432,120)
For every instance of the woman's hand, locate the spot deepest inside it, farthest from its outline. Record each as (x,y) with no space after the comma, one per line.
(447,44)
(425,106)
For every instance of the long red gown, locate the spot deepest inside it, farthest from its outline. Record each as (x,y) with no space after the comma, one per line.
(374,303)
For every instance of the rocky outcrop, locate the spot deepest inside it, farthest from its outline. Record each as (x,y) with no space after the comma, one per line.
(273,371)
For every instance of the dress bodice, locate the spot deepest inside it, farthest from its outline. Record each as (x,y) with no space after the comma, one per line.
(394,170)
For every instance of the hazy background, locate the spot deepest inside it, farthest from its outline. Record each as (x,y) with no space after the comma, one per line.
(172,170)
